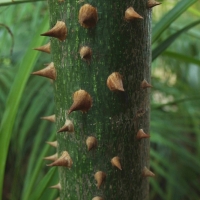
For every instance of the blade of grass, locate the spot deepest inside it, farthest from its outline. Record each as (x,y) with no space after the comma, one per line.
(182,57)
(35,163)
(166,43)
(194,164)
(177,101)
(31,113)
(171,16)
(156,187)
(15,97)
(42,185)
(10,2)
(194,11)
(29,117)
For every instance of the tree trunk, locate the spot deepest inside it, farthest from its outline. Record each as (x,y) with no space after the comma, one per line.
(118,45)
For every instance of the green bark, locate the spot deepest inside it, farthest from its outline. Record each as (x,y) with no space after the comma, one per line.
(114,119)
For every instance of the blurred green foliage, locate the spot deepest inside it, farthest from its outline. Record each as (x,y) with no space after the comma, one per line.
(175,116)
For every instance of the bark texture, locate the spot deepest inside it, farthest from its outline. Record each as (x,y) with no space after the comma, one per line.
(115,117)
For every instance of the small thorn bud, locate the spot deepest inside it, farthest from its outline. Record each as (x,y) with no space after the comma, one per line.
(58,31)
(52,157)
(152,3)
(51,118)
(88,16)
(45,48)
(82,101)
(68,127)
(86,53)
(114,82)
(100,178)
(130,14)
(54,144)
(91,142)
(64,160)
(57,186)
(116,162)
(97,198)
(145,84)
(141,134)
(147,173)
(48,72)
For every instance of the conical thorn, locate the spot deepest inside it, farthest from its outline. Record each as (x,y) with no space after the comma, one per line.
(88,16)
(147,173)
(91,142)
(141,134)
(57,186)
(131,14)
(97,198)
(64,160)
(114,82)
(115,161)
(100,178)
(48,72)
(85,53)
(152,3)
(58,31)
(81,101)
(51,118)
(68,127)
(52,157)
(145,84)
(45,48)
(54,143)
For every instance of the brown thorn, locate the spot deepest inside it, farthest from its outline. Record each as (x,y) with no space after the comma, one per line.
(114,82)
(88,16)
(131,14)
(53,157)
(68,127)
(45,48)
(85,53)
(58,31)
(91,142)
(48,72)
(100,178)
(152,3)
(97,198)
(57,186)
(115,161)
(147,173)
(54,143)
(51,118)
(81,101)
(141,134)
(145,84)
(64,160)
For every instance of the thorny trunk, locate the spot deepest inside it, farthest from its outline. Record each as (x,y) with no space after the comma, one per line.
(117,45)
